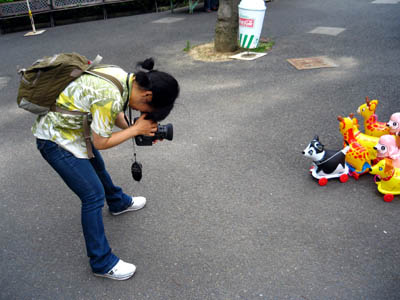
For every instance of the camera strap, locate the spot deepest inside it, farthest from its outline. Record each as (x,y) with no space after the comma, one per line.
(136,167)
(129,121)
(126,104)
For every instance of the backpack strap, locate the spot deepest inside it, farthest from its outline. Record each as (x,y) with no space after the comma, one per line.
(107,77)
(96,61)
(86,129)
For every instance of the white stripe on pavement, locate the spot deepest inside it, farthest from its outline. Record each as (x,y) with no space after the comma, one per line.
(3,82)
(328,30)
(168,20)
(386,2)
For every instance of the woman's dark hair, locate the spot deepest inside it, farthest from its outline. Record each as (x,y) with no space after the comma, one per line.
(164,87)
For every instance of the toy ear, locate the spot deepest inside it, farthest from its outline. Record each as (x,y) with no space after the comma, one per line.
(372,105)
(388,165)
(341,120)
(316,137)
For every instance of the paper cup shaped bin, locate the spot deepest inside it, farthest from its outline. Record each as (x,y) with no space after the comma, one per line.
(251,19)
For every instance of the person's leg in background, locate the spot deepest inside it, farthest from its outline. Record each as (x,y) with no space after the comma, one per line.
(214,4)
(207,5)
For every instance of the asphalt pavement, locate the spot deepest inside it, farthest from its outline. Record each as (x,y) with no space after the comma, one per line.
(232,211)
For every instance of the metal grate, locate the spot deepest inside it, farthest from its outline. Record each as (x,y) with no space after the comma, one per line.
(20,7)
(312,63)
(72,3)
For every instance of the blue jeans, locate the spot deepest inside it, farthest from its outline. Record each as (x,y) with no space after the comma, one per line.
(90,181)
(209,4)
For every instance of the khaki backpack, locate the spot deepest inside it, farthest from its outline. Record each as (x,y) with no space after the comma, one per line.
(44,81)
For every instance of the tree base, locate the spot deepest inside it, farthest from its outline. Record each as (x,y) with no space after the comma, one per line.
(207,52)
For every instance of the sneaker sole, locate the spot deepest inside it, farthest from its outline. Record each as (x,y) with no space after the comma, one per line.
(127,210)
(115,278)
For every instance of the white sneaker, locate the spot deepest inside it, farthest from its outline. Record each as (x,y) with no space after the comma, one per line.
(121,271)
(136,204)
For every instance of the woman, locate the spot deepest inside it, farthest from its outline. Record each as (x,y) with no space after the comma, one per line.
(61,141)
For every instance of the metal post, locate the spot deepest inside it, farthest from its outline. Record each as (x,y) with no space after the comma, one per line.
(33,32)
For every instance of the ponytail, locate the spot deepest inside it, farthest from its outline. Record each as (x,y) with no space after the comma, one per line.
(164,87)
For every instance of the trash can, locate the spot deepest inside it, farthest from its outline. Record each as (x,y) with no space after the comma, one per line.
(251,19)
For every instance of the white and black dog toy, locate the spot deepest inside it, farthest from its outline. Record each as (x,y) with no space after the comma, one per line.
(327,164)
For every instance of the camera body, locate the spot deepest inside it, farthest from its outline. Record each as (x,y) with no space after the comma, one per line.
(163,132)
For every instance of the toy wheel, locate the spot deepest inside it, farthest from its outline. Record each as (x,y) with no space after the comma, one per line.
(311,169)
(356,176)
(375,161)
(343,178)
(322,181)
(388,198)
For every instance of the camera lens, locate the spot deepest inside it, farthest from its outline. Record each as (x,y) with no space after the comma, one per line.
(165,132)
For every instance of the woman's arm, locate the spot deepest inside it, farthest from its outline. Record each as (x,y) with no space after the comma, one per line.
(141,127)
(121,122)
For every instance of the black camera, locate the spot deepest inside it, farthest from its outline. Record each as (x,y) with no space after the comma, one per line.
(163,132)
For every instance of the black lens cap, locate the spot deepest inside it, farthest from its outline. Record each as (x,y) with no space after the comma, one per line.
(136,170)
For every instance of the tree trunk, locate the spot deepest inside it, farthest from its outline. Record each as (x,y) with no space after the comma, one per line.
(226,30)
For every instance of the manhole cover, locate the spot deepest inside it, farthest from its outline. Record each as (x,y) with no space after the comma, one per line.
(311,63)
(168,20)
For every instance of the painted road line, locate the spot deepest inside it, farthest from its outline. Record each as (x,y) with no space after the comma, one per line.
(386,2)
(3,82)
(168,20)
(327,30)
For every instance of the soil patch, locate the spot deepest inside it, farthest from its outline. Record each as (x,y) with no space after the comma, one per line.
(206,52)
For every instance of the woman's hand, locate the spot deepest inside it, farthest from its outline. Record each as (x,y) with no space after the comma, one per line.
(144,127)
(141,127)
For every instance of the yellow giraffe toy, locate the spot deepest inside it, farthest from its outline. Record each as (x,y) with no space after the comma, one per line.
(357,158)
(367,141)
(371,125)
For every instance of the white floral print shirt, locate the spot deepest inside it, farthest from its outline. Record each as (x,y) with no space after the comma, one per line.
(91,94)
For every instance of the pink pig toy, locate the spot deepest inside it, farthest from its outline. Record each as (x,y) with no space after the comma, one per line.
(394,124)
(387,148)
